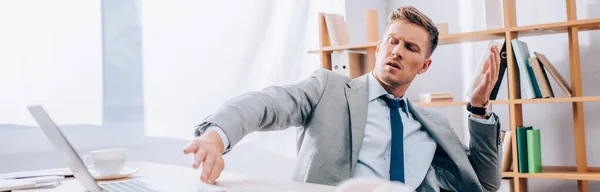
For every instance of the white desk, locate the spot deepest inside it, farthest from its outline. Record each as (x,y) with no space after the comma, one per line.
(178,178)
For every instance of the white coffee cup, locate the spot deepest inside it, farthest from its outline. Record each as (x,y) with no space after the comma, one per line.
(106,161)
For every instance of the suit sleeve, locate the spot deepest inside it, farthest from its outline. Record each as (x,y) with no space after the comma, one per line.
(272,108)
(485,152)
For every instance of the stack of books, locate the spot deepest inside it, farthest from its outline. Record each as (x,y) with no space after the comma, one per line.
(533,76)
(436,97)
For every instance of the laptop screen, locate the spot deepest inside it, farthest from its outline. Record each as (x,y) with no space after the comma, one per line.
(61,143)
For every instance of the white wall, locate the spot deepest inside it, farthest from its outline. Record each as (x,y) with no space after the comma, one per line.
(356,18)
(451,62)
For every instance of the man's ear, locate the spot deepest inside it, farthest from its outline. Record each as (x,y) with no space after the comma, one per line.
(425,66)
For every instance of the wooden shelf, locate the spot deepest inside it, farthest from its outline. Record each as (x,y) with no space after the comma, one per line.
(558,100)
(516,101)
(447,39)
(455,103)
(554,28)
(556,175)
(346,47)
(471,36)
(559,172)
(443,40)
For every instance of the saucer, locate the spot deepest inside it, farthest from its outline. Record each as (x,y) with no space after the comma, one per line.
(126,172)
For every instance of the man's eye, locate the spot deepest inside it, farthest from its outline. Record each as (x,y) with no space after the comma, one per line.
(411,48)
(393,41)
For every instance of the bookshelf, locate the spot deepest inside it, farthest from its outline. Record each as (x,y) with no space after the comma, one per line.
(581,172)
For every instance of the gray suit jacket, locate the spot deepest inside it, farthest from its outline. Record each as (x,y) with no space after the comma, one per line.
(331,111)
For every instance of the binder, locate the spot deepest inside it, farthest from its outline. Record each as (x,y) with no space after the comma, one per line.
(501,71)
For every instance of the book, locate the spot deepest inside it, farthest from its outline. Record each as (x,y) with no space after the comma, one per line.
(337,29)
(534,83)
(522,148)
(534,151)
(541,78)
(521,55)
(506,153)
(436,97)
(554,73)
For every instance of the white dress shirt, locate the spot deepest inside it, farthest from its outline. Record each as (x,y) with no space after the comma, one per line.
(374,155)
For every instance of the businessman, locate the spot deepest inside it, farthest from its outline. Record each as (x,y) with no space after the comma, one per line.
(366,127)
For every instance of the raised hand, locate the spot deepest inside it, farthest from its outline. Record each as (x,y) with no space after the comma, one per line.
(485,81)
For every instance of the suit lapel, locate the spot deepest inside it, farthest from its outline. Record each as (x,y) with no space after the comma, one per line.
(436,129)
(357,95)
(445,138)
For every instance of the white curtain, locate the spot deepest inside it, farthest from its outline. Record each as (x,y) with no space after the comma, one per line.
(196,56)
(50,54)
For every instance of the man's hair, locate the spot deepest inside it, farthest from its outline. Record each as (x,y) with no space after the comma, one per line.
(414,16)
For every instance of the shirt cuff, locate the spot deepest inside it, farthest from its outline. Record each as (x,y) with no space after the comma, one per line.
(221,134)
(491,120)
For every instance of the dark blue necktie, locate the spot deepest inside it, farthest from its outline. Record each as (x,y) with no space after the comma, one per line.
(397,159)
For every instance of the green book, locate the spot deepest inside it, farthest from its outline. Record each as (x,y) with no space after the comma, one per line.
(534,151)
(522,148)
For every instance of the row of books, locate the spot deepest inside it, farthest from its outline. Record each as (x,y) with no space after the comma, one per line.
(529,150)
(532,71)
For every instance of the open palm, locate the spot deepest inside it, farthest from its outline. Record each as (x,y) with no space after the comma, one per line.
(486,79)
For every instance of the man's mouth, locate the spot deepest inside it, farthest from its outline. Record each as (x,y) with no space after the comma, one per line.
(393,63)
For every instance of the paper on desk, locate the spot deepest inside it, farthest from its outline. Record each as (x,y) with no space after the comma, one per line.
(47,172)
(10,184)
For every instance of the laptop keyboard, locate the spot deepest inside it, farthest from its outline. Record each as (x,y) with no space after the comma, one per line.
(127,186)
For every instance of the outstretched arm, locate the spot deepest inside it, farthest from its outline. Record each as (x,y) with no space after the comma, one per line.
(273,108)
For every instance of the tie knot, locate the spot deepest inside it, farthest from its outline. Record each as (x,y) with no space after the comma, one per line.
(392,103)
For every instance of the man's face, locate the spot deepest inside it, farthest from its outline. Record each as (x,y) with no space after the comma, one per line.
(402,54)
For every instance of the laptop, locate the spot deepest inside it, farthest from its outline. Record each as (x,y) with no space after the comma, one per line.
(80,171)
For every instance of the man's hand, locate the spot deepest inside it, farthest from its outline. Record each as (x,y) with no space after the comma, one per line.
(208,150)
(485,81)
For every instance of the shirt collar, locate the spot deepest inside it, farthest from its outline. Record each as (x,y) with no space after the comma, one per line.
(376,90)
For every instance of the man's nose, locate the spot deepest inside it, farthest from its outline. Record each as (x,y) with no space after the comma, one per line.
(397,51)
